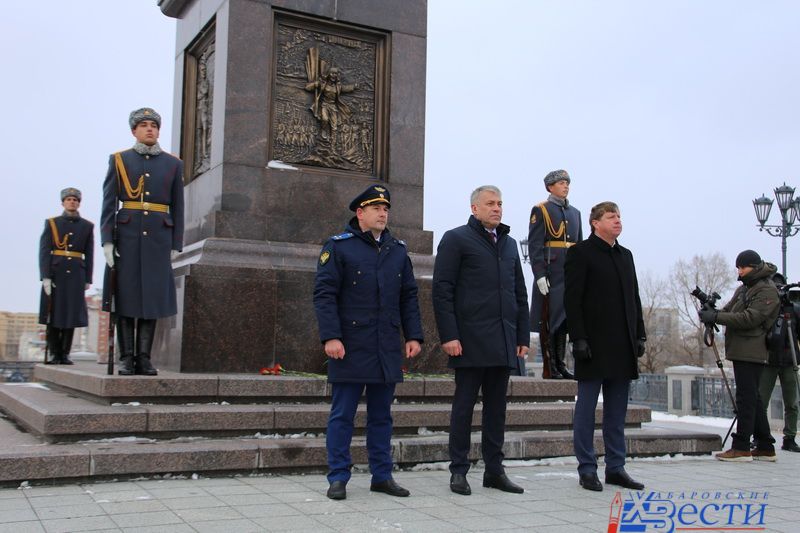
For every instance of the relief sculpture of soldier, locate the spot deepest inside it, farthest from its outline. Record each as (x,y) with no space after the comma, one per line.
(327,105)
(141,221)
(66,252)
(555,225)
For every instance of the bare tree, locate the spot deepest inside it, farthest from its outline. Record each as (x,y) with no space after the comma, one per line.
(653,292)
(712,273)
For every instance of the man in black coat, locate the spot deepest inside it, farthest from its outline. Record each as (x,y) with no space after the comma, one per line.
(782,365)
(66,260)
(141,230)
(604,316)
(481,307)
(364,291)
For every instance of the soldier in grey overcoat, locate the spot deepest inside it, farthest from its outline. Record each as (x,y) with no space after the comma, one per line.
(555,226)
(66,258)
(141,230)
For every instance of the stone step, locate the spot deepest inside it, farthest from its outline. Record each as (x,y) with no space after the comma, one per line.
(114,459)
(58,416)
(91,381)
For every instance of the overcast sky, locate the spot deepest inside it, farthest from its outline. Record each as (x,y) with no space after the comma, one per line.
(682,112)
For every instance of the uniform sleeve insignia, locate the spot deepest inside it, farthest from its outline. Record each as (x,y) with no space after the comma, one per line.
(342,236)
(533,218)
(323,257)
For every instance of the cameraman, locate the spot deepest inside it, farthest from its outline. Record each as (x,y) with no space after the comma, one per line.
(748,316)
(782,365)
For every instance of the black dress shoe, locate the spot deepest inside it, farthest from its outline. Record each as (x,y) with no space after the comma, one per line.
(459,484)
(501,482)
(337,490)
(389,487)
(590,481)
(622,479)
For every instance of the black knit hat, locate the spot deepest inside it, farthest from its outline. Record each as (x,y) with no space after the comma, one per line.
(748,258)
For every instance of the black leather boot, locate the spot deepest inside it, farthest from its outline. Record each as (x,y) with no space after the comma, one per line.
(125,339)
(145,332)
(53,340)
(554,373)
(66,346)
(560,355)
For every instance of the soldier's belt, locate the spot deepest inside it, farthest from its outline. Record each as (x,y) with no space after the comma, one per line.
(146,206)
(558,244)
(66,253)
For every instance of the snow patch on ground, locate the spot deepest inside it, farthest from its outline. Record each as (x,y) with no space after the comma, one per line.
(660,416)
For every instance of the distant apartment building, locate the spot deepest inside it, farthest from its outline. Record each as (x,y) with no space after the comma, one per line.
(97,330)
(12,328)
(664,322)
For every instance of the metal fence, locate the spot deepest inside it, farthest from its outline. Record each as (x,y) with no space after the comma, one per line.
(16,371)
(711,398)
(649,390)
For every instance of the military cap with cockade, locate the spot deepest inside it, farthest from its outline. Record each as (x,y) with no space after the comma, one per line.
(375,194)
(556,176)
(70,191)
(145,113)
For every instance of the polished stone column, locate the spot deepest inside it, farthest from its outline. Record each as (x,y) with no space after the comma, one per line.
(253,227)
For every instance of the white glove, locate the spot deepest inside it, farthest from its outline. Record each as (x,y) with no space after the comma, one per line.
(108,251)
(544,285)
(47,285)
(173,254)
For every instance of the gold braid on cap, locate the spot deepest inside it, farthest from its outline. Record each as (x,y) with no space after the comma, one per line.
(374,200)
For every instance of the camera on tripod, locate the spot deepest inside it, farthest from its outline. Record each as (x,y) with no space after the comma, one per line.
(783,293)
(706,301)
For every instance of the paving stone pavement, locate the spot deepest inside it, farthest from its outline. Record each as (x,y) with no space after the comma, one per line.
(552,502)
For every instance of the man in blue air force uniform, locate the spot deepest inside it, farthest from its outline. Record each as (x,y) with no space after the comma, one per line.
(555,226)
(141,230)
(364,292)
(66,259)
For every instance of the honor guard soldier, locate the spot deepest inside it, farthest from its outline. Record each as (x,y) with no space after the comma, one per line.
(364,292)
(555,225)
(66,258)
(141,230)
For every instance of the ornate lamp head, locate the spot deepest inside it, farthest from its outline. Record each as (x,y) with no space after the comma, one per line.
(762,206)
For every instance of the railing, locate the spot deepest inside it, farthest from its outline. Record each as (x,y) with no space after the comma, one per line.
(16,371)
(710,397)
(649,390)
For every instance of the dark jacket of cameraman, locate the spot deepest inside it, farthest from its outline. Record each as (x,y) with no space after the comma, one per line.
(749,315)
(780,352)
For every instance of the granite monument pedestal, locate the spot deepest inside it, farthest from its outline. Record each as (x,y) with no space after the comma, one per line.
(288,109)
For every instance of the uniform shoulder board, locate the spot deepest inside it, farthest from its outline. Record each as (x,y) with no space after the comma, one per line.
(402,242)
(342,236)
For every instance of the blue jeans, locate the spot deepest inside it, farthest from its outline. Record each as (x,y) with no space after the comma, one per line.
(344,402)
(615,406)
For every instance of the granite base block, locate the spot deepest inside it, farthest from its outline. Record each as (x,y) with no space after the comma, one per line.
(201,456)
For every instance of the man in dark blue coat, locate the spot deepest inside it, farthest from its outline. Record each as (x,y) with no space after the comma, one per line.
(66,260)
(364,292)
(555,225)
(604,316)
(481,307)
(141,230)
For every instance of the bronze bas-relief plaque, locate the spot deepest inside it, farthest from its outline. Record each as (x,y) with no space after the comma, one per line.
(328,95)
(198,100)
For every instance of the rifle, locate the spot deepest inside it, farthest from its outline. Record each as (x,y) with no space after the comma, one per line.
(111,319)
(48,330)
(544,336)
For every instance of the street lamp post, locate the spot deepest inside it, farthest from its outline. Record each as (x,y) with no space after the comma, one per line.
(789,208)
(523,244)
